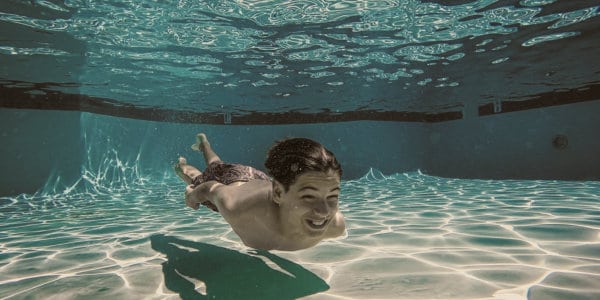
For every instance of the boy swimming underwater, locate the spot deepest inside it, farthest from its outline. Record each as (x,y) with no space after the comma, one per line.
(295,210)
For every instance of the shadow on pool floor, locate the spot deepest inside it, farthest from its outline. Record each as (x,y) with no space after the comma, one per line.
(229,274)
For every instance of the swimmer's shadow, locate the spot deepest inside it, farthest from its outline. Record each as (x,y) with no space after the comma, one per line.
(229,274)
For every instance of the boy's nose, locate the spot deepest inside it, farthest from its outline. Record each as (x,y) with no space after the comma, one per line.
(321,208)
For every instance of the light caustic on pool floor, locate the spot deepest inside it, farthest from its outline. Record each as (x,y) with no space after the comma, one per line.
(409,237)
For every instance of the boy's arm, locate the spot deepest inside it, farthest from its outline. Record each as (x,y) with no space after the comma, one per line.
(206,191)
(231,201)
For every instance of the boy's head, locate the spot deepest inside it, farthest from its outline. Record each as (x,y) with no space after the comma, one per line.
(290,158)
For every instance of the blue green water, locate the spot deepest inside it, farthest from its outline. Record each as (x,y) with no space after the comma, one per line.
(303,55)
(120,233)
(410,236)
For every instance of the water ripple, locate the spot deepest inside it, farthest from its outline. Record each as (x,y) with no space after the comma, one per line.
(129,49)
(409,236)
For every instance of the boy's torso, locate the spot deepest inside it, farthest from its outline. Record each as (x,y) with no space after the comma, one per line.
(258,223)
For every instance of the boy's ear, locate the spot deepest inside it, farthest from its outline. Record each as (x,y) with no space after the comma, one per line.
(277,191)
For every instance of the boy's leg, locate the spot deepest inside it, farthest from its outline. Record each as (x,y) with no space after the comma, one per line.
(186,172)
(203,145)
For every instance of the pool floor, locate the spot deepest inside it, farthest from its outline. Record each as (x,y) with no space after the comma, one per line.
(410,236)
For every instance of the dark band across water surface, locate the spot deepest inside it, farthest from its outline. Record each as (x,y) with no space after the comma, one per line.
(44,96)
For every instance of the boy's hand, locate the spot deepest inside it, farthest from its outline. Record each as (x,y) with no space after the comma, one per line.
(190,198)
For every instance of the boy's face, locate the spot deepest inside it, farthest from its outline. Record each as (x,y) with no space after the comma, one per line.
(310,204)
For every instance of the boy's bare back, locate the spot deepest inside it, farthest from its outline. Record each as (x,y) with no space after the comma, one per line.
(254,216)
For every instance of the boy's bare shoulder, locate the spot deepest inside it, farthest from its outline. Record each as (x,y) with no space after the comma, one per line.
(338,227)
(254,193)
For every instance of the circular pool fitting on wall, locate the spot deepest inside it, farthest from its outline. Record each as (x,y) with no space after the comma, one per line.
(560,142)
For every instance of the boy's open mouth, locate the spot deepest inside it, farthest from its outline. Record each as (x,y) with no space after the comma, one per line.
(317,224)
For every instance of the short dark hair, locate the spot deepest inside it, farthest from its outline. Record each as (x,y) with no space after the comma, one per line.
(289,158)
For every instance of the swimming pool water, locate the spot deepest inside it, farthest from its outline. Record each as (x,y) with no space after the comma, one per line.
(116,234)
(410,236)
(252,57)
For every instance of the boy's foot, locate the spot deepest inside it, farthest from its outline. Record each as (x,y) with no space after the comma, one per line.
(200,141)
(178,167)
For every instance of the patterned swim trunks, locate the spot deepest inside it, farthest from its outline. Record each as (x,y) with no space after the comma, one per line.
(226,173)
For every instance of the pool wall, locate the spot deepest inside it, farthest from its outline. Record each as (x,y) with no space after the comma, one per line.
(112,150)
(519,145)
(38,145)
(53,149)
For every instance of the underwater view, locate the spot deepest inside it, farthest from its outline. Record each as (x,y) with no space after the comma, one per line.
(466,131)
(409,236)
(302,61)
